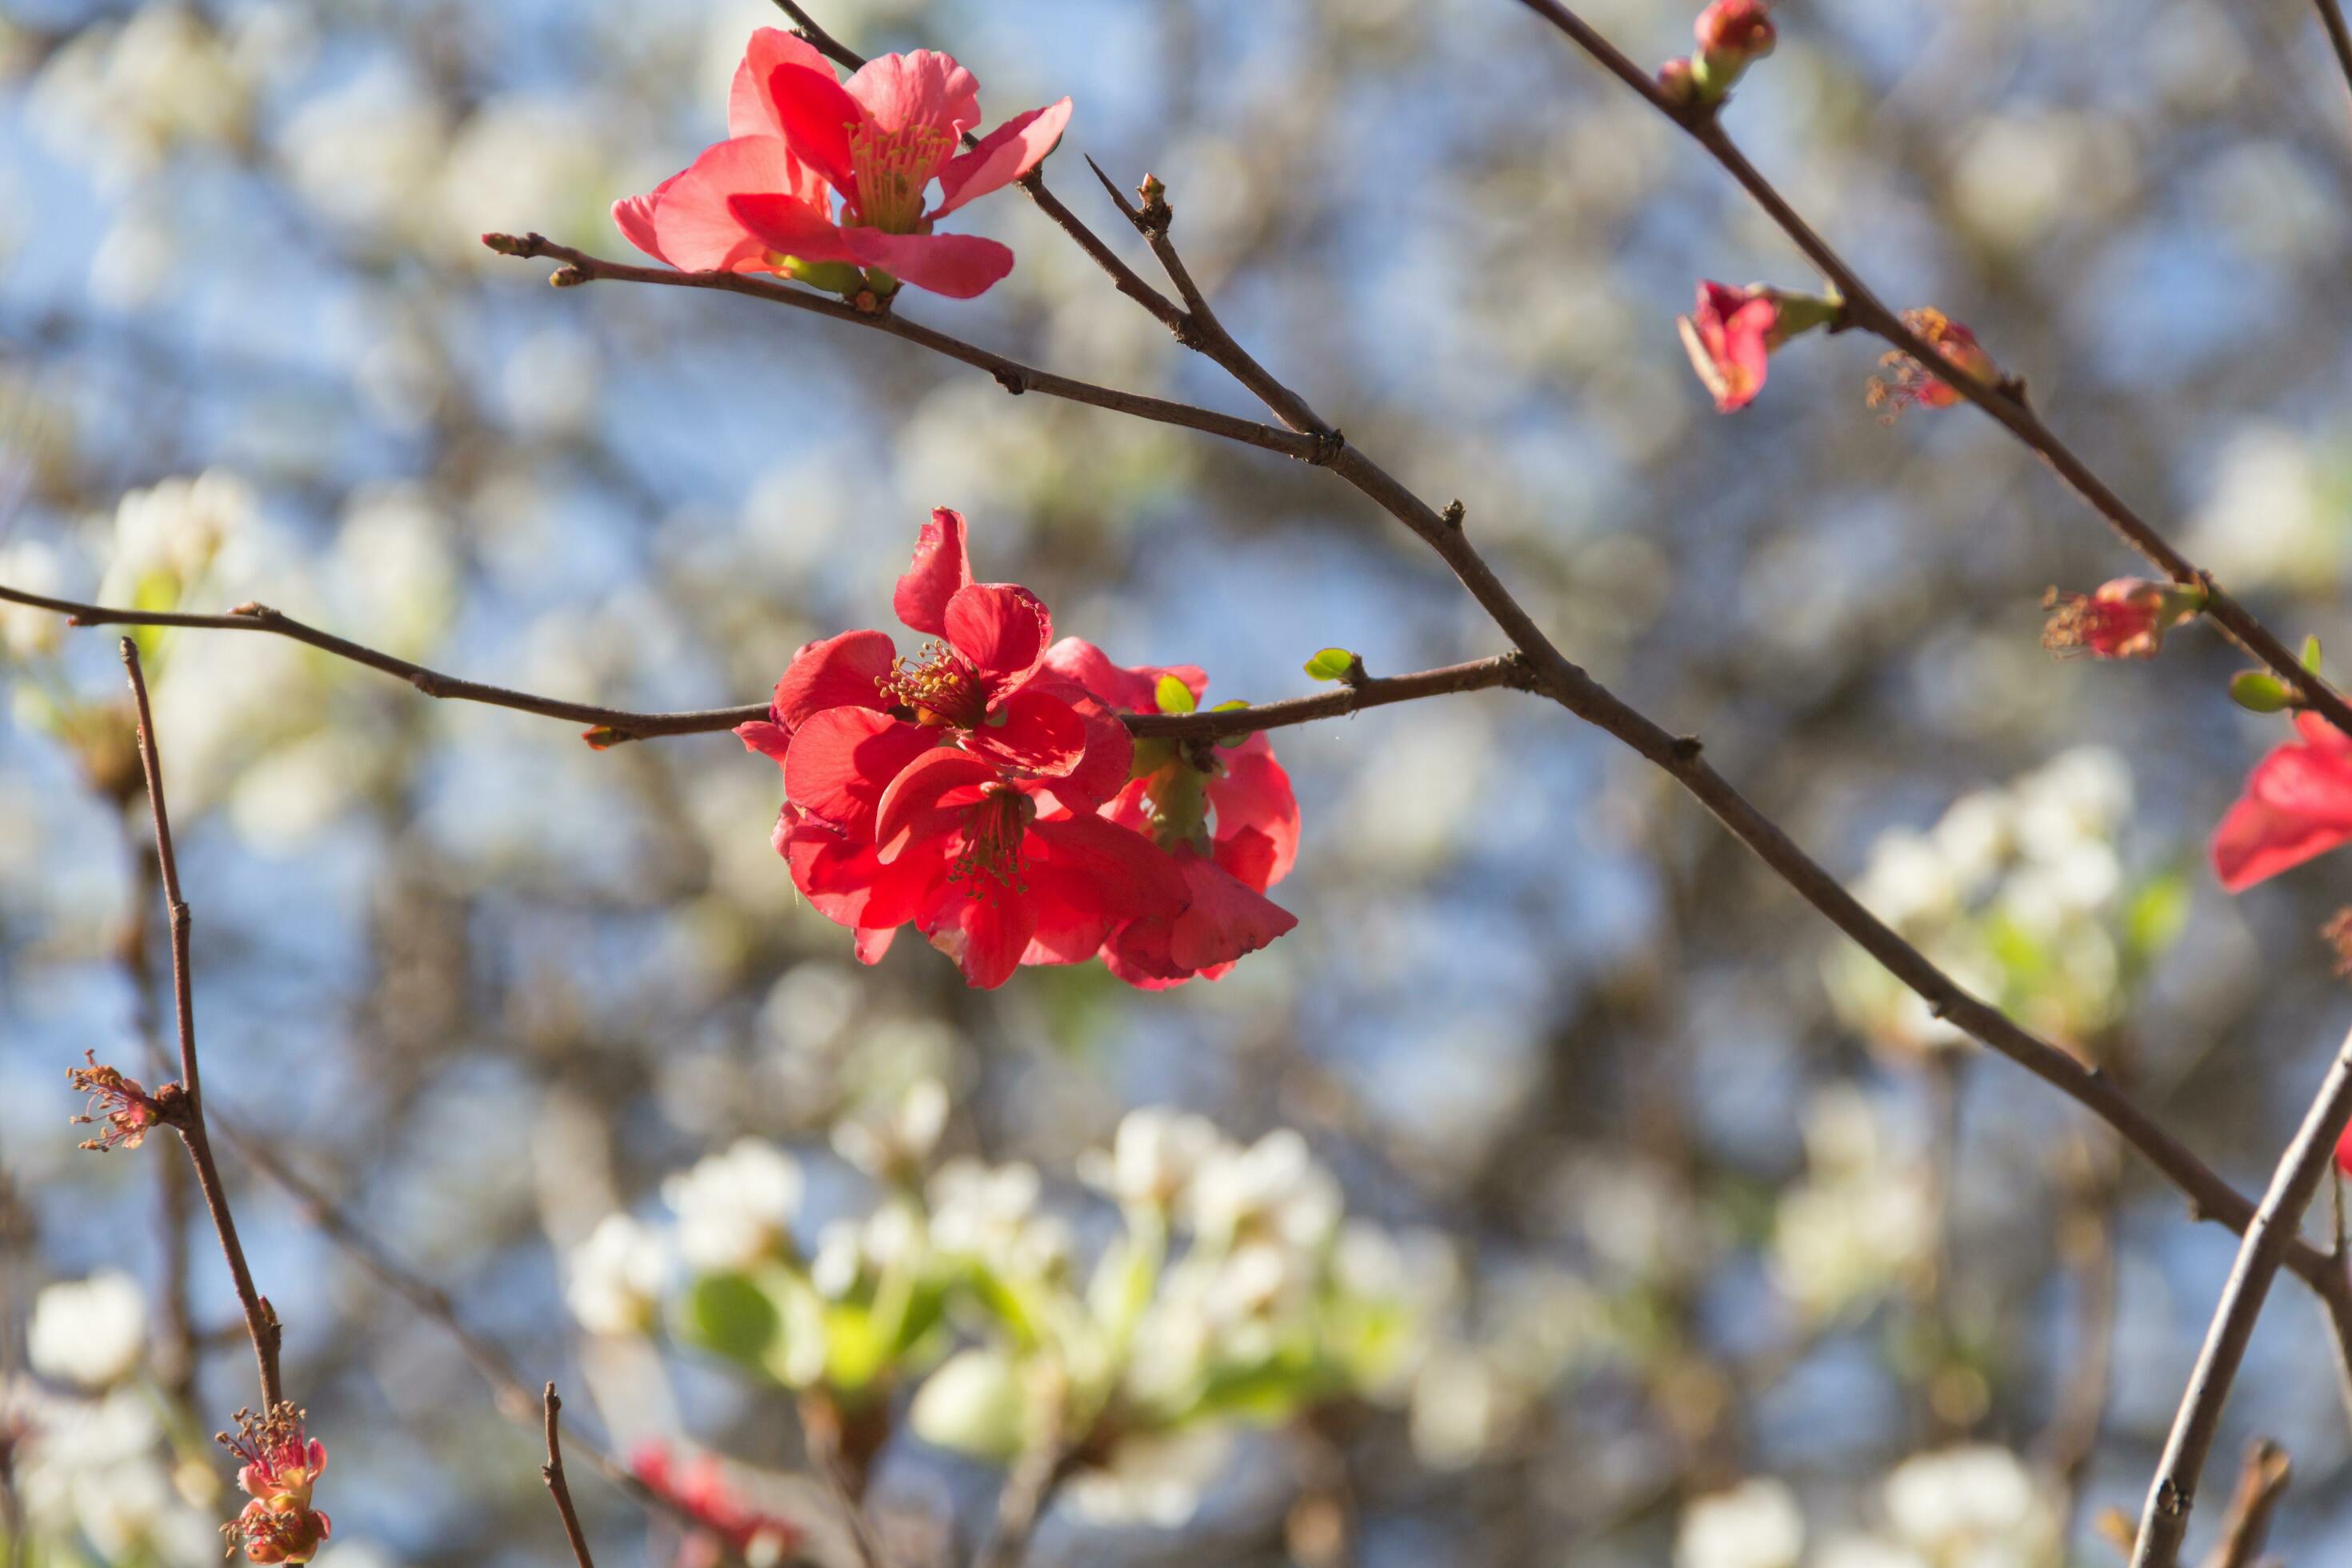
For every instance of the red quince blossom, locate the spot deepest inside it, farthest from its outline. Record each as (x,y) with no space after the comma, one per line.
(1910,384)
(1727,336)
(282,1463)
(850,715)
(2297,805)
(125,1108)
(1730,331)
(1227,816)
(731,1525)
(762,201)
(2125,619)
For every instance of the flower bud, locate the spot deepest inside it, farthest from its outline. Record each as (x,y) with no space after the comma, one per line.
(1731,33)
(2125,619)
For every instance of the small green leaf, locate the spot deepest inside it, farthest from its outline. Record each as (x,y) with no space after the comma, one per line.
(1228,742)
(1173,696)
(2311,654)
(1331,664)
(731,1316)
(2257,693)
(2156,915)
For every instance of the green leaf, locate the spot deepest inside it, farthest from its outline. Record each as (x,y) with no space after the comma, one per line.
(973,1405)
(1173,696)
(728,1315)
(1228,742)
(2155,916)
(2311,654)
(2257,693)
(1331,664)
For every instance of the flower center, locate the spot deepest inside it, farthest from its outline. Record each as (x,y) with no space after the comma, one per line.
(993,831)
(893,169)
(939,686)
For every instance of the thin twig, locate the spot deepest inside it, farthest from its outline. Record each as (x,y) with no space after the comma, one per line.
(1029,1488)
(2339,37)
(1011,374)
(551,1473)
(2005,401)
(619,724)
(260,1321)
(2165,1519)
(2261,1481)
(2087,1242)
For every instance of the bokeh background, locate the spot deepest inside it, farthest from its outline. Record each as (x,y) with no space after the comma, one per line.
(1719,1255)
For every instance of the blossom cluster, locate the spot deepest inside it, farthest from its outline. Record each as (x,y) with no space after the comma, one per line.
(1975,1504)
(986,791)
(799,139)
(1235,1293)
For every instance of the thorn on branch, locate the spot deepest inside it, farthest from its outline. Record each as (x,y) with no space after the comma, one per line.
(1119,197)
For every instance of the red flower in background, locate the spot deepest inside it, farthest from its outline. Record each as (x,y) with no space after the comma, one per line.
(2297,805)
(1910,384)
(762,201)
(1728,334)
(1227,816)
(2125,619)
(730,1526)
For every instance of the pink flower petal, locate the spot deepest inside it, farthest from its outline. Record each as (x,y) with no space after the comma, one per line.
(1002,628)
(1039,733)
(788,226)
(919,88)
(2297,805)
(634,216)
(1226,920)
(986,937)
(959,266)
(930,799)
(1129,689)
(843,671)
(1254,792)
(694,218)
(816,118)
(844,759)
(942,565)
(751,110)
(1004,155)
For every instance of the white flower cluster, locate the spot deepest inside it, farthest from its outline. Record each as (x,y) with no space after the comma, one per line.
(1861,1219)
(2017,893)
(167,535)
(1977,1506)
(91,1333)
(127,95)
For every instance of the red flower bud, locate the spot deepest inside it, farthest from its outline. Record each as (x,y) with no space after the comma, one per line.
(2123,620)
(1909,384)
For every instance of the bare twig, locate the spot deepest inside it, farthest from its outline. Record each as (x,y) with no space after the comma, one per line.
(2261,1481)
(2005,401)
(2087,1242)
(2339,37)
(1029,1488)
(551,1473)
(1011,374)
(2165,1519)
(619,724)
(260,1321)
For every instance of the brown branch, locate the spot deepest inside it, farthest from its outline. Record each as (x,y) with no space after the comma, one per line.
(2087,1243)
(2261,1481)
(1478,675)
(551,1473)
(1029,1488)
(2339,37)
(1011,374)
(2165,1519)
(260,1321)
(2005,402)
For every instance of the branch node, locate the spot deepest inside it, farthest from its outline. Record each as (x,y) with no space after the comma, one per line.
(1454,512)
(1329,445)
(1686,748)
(567,275)
(1011,380)
(1156,214)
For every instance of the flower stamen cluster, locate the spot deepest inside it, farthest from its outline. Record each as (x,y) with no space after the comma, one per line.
(280,1462)
(120,1104)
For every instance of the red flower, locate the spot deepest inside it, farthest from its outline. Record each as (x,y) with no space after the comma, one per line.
(2125,619)
(1001,873)
(1728,334)
(1912,385)
(762,200)
(126,1108)
(2297,805)
(282,1463)
(701,1489)
(1228,816)
(880,140)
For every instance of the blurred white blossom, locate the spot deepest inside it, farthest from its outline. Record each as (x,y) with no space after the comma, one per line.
(1756,1524)
(92,1332)
(617,1275)
(737,1208)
